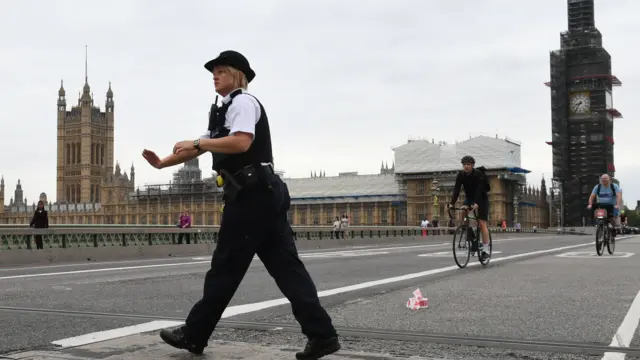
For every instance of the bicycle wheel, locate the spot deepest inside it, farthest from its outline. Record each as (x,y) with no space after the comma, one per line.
(461,243)
(600,240)
(486,261)
(611,244)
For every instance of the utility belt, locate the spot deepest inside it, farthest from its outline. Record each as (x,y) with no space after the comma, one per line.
(249,177)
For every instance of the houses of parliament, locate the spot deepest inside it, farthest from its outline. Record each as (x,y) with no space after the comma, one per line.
(92,188)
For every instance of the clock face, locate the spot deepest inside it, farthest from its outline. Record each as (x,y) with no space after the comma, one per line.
(580,103)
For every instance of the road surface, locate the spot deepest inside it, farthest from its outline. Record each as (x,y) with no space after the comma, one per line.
(542,292)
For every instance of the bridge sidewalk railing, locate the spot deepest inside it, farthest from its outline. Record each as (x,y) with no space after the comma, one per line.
(136,235)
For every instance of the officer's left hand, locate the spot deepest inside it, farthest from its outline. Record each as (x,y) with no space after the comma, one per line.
(475,207)
(181,146)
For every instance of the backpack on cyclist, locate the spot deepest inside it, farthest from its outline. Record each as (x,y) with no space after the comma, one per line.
(613,190)
(484,178)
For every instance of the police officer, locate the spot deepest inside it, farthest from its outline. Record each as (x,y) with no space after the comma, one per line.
(254,219)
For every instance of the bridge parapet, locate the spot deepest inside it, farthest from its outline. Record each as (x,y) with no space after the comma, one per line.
(83,236)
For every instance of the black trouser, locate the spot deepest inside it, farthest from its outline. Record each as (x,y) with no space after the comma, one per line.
(256,222)
(38,239)
(185,235)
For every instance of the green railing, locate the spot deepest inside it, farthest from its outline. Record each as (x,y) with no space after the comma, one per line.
(75,236)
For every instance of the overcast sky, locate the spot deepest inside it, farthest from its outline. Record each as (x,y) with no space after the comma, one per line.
(343,81)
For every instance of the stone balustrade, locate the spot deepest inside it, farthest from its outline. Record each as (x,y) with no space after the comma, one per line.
(86,236)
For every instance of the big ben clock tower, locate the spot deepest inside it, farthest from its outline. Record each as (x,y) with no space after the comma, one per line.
(582,115)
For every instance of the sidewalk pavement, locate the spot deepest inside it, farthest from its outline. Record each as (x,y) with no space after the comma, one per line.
(150,347)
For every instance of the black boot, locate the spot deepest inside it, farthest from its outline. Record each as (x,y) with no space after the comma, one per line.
(318,347)
(177,339)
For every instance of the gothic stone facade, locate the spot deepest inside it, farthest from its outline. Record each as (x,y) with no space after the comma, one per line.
(91,189)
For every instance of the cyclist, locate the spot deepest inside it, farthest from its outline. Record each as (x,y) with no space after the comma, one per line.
(608,196)
(475,188)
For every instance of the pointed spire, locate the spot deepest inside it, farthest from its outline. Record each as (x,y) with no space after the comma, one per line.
(86,66)
(61,92)
(85,88)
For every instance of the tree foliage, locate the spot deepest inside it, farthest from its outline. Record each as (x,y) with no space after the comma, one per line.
(633,219)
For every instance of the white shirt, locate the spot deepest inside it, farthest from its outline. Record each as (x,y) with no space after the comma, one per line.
(242,115)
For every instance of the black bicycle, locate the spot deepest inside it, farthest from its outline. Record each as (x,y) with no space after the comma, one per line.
(468,246)
(604,232)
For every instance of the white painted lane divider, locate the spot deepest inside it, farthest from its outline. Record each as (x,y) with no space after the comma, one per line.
(450,253)
(207,259)
(593,254)
(344,254)
(249,308)
(115,333)
(627,329)
(204,260)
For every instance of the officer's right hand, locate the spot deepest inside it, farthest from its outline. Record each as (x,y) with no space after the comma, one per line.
(152,158)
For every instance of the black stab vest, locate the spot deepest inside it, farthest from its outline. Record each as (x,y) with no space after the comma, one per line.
(259,151)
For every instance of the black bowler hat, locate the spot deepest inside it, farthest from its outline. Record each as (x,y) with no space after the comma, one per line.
(233,59)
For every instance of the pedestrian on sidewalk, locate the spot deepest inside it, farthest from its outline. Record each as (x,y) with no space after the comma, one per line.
(254,220)
(40,220)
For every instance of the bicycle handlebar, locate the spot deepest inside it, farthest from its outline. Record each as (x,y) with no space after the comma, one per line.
(449,210)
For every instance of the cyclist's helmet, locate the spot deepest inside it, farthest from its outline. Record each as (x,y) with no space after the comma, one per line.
(468,160)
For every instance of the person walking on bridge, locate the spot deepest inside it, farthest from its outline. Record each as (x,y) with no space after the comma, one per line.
(254,218)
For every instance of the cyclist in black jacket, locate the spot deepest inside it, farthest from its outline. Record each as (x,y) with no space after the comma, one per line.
(476,191)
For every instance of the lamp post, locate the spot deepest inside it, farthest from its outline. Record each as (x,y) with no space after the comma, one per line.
(435,190)
(559,188)
(516,203)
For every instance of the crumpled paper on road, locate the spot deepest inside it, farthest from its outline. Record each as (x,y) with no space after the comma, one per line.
(417,301)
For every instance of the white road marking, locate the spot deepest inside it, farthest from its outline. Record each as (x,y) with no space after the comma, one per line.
(253,307)
(627,329)
(87,271)
(344,254)
(136,267)
(208,260)
(115,333)
(593,254)
(448,254)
